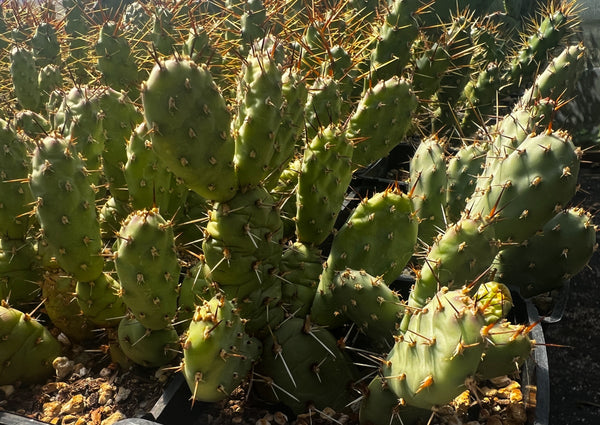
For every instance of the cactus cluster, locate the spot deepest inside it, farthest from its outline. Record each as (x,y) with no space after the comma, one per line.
(188,185)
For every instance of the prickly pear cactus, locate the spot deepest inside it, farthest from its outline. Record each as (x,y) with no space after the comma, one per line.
(258,117)
(217,353)
(243,239)
(551,257)
(24,78)
(190,127)
(148,268)
(441,348)
(530,186)
(65,207)
(390,103)
(148,348)
(429,180)
(15,195)
(27,348)
(302,366)
(100,302)
(20,272)
(508,346)
(324,178)
(58,292)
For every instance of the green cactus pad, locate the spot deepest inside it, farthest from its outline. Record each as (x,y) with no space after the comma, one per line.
(100,302)
(439,351)
(15,195)
(303,367)
(148,348)
(217,353)
(550,257)
(190,127)
(381,120)
(528,187)
(508,346)
(429,180)
(58,293)
(243,239)
(27,349)
(65,208)
(322,184)
(258,117)
(148,268)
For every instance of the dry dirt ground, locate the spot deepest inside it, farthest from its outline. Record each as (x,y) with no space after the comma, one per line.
(575,364)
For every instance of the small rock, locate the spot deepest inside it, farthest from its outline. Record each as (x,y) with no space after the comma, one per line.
(73,406)
(327,413)
(105,393)
(80,369)
(72,420)
(515,396)
(115,417)
(50,410)
(122,394)
(263,421)
(162,375)
(52,387)
(63,367)
(280,418)
(63,339)
(105,372)
(6,390)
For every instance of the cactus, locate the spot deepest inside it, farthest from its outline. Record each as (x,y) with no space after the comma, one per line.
(100,302)
(148,348)
(384,220)
(149,183)
(20,272)
(529,186)
(550,257)
(258,118)
(217,353)
(440,349)
(46,48)
(28,348)
(148,268)
(15,196)
(58,292)
(115,61)
(303,367)
(457,258)
(392,51)
(389,101)
(65,207)
(508,346)
(429,181)
(24,78)
(119,117)
(190,127)
(243,236)
(322,184)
